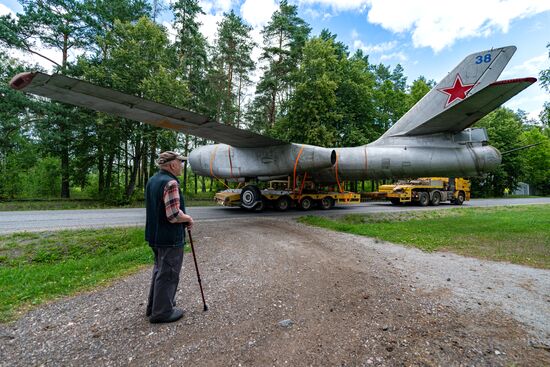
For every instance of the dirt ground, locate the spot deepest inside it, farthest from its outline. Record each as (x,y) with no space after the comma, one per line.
(283,294)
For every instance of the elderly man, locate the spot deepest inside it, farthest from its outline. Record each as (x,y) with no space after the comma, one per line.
(164,230)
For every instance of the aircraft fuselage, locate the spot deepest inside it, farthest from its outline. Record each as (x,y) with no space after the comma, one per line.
(463,154)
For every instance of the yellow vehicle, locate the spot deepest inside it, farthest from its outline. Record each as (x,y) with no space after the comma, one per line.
(428,191)
(281,196)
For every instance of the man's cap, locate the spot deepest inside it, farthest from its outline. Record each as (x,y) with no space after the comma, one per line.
(166,157)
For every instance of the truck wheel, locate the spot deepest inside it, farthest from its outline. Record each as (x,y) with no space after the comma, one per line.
(395,201)
(460,198)
(250,196)
(423,198)
(327,202)
(260,206)
(306,203)
(282,203)
(436,198)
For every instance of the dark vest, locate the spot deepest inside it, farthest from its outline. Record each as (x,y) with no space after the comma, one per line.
(159,232)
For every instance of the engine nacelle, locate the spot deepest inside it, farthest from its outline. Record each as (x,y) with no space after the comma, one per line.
(224,161)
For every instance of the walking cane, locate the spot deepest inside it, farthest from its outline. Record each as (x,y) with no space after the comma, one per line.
(197,269)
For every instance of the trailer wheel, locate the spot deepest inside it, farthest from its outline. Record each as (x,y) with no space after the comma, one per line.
(282,203)
(260,206)
(395,201)
(306,203)
(250,196)
(436,198)
(460,198)
(423,198)
(327,202)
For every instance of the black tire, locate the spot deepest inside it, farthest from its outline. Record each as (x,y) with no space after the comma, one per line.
(250,196)
(282,204)
(260,206)
(326,203)
(423,198)
(460,198)
(306,203)
(436,198)
(395,201)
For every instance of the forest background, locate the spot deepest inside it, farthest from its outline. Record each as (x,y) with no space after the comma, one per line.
(311,90)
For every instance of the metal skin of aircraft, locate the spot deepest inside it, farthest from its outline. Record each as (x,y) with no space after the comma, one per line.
(432,139)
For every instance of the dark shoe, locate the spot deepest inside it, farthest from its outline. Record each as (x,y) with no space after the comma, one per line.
(174,316)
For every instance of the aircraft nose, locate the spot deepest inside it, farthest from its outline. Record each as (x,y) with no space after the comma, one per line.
(493,158)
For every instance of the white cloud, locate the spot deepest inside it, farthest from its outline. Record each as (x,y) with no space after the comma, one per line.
(531,100)
(216,6)
(4,10)
(209,25)
(312,13)
(438,24)
(214,10)
(339,5)
(30,58)
(376,48)
(257,13)
(400,56)
(531,67)
(170,30)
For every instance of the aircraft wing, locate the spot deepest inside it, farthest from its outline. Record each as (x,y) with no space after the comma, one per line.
(467,112)
(84,94)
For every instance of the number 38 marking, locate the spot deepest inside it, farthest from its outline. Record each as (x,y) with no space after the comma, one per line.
(480,59)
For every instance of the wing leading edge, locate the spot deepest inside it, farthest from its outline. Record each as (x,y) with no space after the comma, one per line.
(84,94)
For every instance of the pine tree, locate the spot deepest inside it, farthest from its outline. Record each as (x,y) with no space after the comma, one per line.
(284,39)
(232,65)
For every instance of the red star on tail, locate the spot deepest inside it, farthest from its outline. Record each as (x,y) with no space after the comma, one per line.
(457,91)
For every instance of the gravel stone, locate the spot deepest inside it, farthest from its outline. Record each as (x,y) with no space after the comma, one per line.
(286,323)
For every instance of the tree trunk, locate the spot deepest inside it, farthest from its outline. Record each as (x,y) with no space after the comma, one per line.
(65,193)
(238,120)
(196,185)
(100,169)
(109,175)
(229,101)
(126,163)
(186,153)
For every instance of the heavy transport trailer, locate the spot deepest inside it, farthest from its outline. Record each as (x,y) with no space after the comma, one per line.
(428,191)
(281,196)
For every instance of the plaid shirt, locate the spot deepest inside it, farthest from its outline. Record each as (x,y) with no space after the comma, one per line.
(171,199)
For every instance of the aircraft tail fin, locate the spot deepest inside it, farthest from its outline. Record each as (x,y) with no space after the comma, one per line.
(466,94)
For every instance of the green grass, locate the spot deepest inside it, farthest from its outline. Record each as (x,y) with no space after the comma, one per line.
(201,199)
(35,267)
(518,234)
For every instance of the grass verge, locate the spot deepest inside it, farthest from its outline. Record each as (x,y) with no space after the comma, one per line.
(518,234)
(35,267)
(68,204)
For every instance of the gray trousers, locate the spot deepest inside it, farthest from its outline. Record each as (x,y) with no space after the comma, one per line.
(164,282)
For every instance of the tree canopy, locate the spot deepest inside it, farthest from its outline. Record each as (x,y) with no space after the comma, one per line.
(303,88)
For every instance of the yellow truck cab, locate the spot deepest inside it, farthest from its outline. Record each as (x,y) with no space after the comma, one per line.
(428,191)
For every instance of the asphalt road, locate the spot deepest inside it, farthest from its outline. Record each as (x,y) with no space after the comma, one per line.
(47,220)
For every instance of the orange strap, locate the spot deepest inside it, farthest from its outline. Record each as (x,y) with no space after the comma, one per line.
(212,156)
(302,185)
(230,162)
(296,165)
(336,173)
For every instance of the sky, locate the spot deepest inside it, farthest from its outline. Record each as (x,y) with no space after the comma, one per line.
(427,37)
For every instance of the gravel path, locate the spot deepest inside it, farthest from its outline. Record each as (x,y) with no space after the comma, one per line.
(284,294)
